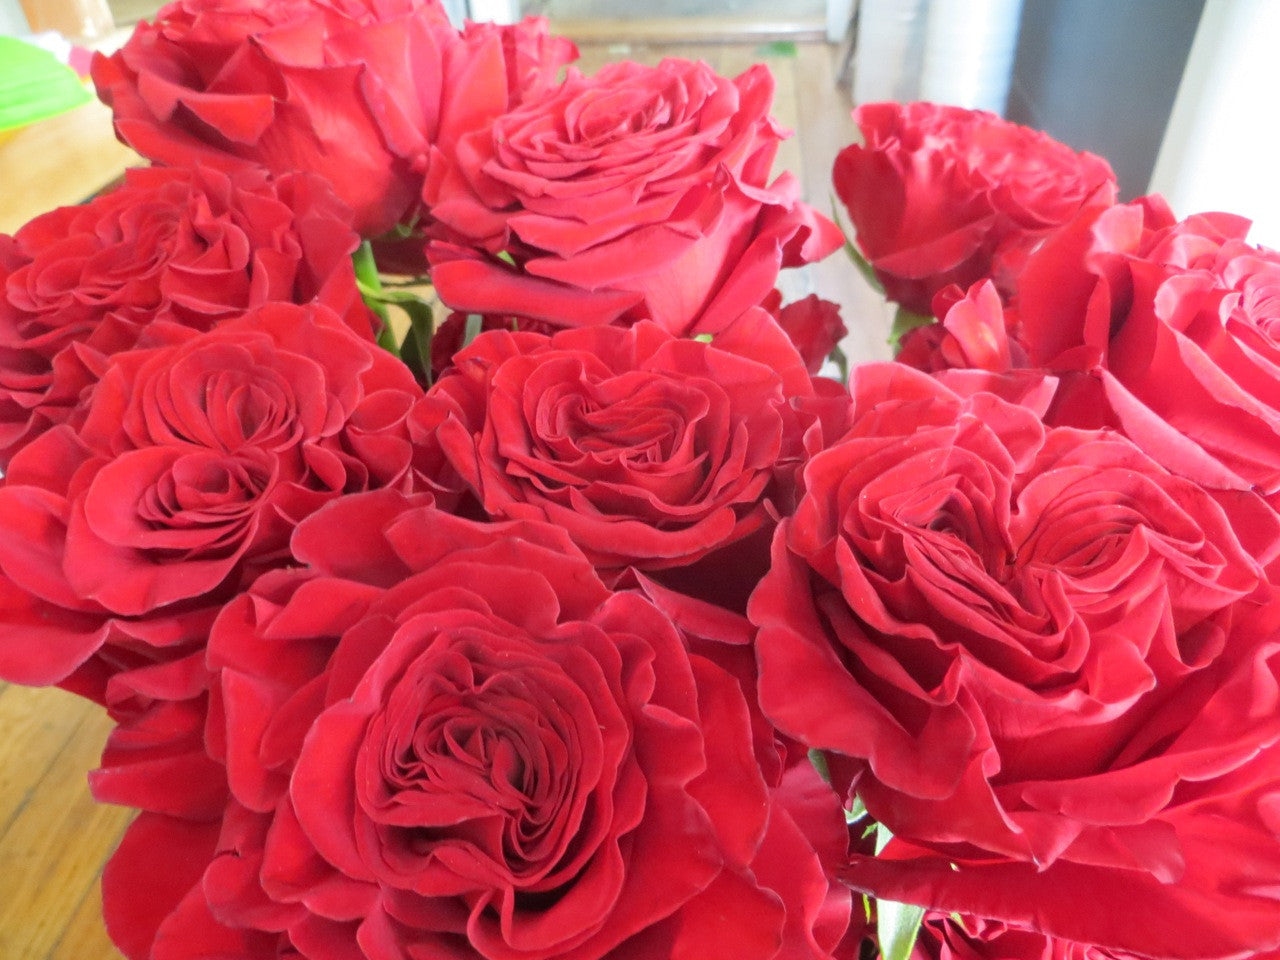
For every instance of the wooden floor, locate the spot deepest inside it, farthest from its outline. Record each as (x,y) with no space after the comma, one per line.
(53,838)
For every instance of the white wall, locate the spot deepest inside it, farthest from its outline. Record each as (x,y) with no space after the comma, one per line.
(499,11)
(1222,146)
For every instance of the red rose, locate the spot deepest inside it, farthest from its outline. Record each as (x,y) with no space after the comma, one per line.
(346,89)
(449,739)
(941,195)
(812,324)
(186,247)
(948,937)
(485,71)
(972,334)
(649,450)
(449,336)
(637,192)
(525,57)
(1175,319)
(193,465)
(1034,653)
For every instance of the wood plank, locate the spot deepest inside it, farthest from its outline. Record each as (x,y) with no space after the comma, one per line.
(85,938)
(36,726)
(58,162)
(55,846)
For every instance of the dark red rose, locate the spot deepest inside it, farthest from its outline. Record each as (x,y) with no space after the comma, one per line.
(1176,325)
(649,450)
(347,89)
(446,738)
(639,192)
(947,937)
(1034,653)
(185,247)
(941,195)
(451,335)
(814,325)
(194,464)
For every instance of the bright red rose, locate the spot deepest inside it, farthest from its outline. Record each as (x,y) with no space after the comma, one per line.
(449,739)
(972,334)
(185,247)
(1036,653)
(194,464)
(1176,319)
(348,89)
(486,70)
(649,450)
(639,192)
(525,57)
(941,195)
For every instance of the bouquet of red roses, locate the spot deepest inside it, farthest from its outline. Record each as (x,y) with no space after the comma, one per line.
(586,620)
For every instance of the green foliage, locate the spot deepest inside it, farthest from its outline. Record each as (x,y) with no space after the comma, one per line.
(897,924)
(778,48)
(415,351)
(904,321)
(34,84)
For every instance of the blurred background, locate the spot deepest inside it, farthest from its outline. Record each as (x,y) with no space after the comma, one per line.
(1177,94)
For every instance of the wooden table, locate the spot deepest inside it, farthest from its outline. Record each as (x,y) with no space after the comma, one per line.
(58,161)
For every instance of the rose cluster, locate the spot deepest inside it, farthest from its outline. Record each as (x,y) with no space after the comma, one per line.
(401,672)
(1032,586)
(592,622)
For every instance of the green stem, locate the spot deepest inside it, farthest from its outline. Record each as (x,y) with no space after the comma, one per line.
(370,285)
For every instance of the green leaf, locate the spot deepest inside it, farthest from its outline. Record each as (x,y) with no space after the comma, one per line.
(855,812)
(34,84)
(854,254)
(837,356)
(819,761)
(897,924)
(904,321)
(777,48)
(416,350)
(370,286)
(475,323)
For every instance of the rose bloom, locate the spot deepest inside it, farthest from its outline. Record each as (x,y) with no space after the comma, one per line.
(972,334)
(449,739)
(194,464)
(450,336)
(347,89)
(1175,319)
(945,937)
(530,59)
(185,247)
(941,195)
(1041,659)
(638,192)
(812,324)
(651,451)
